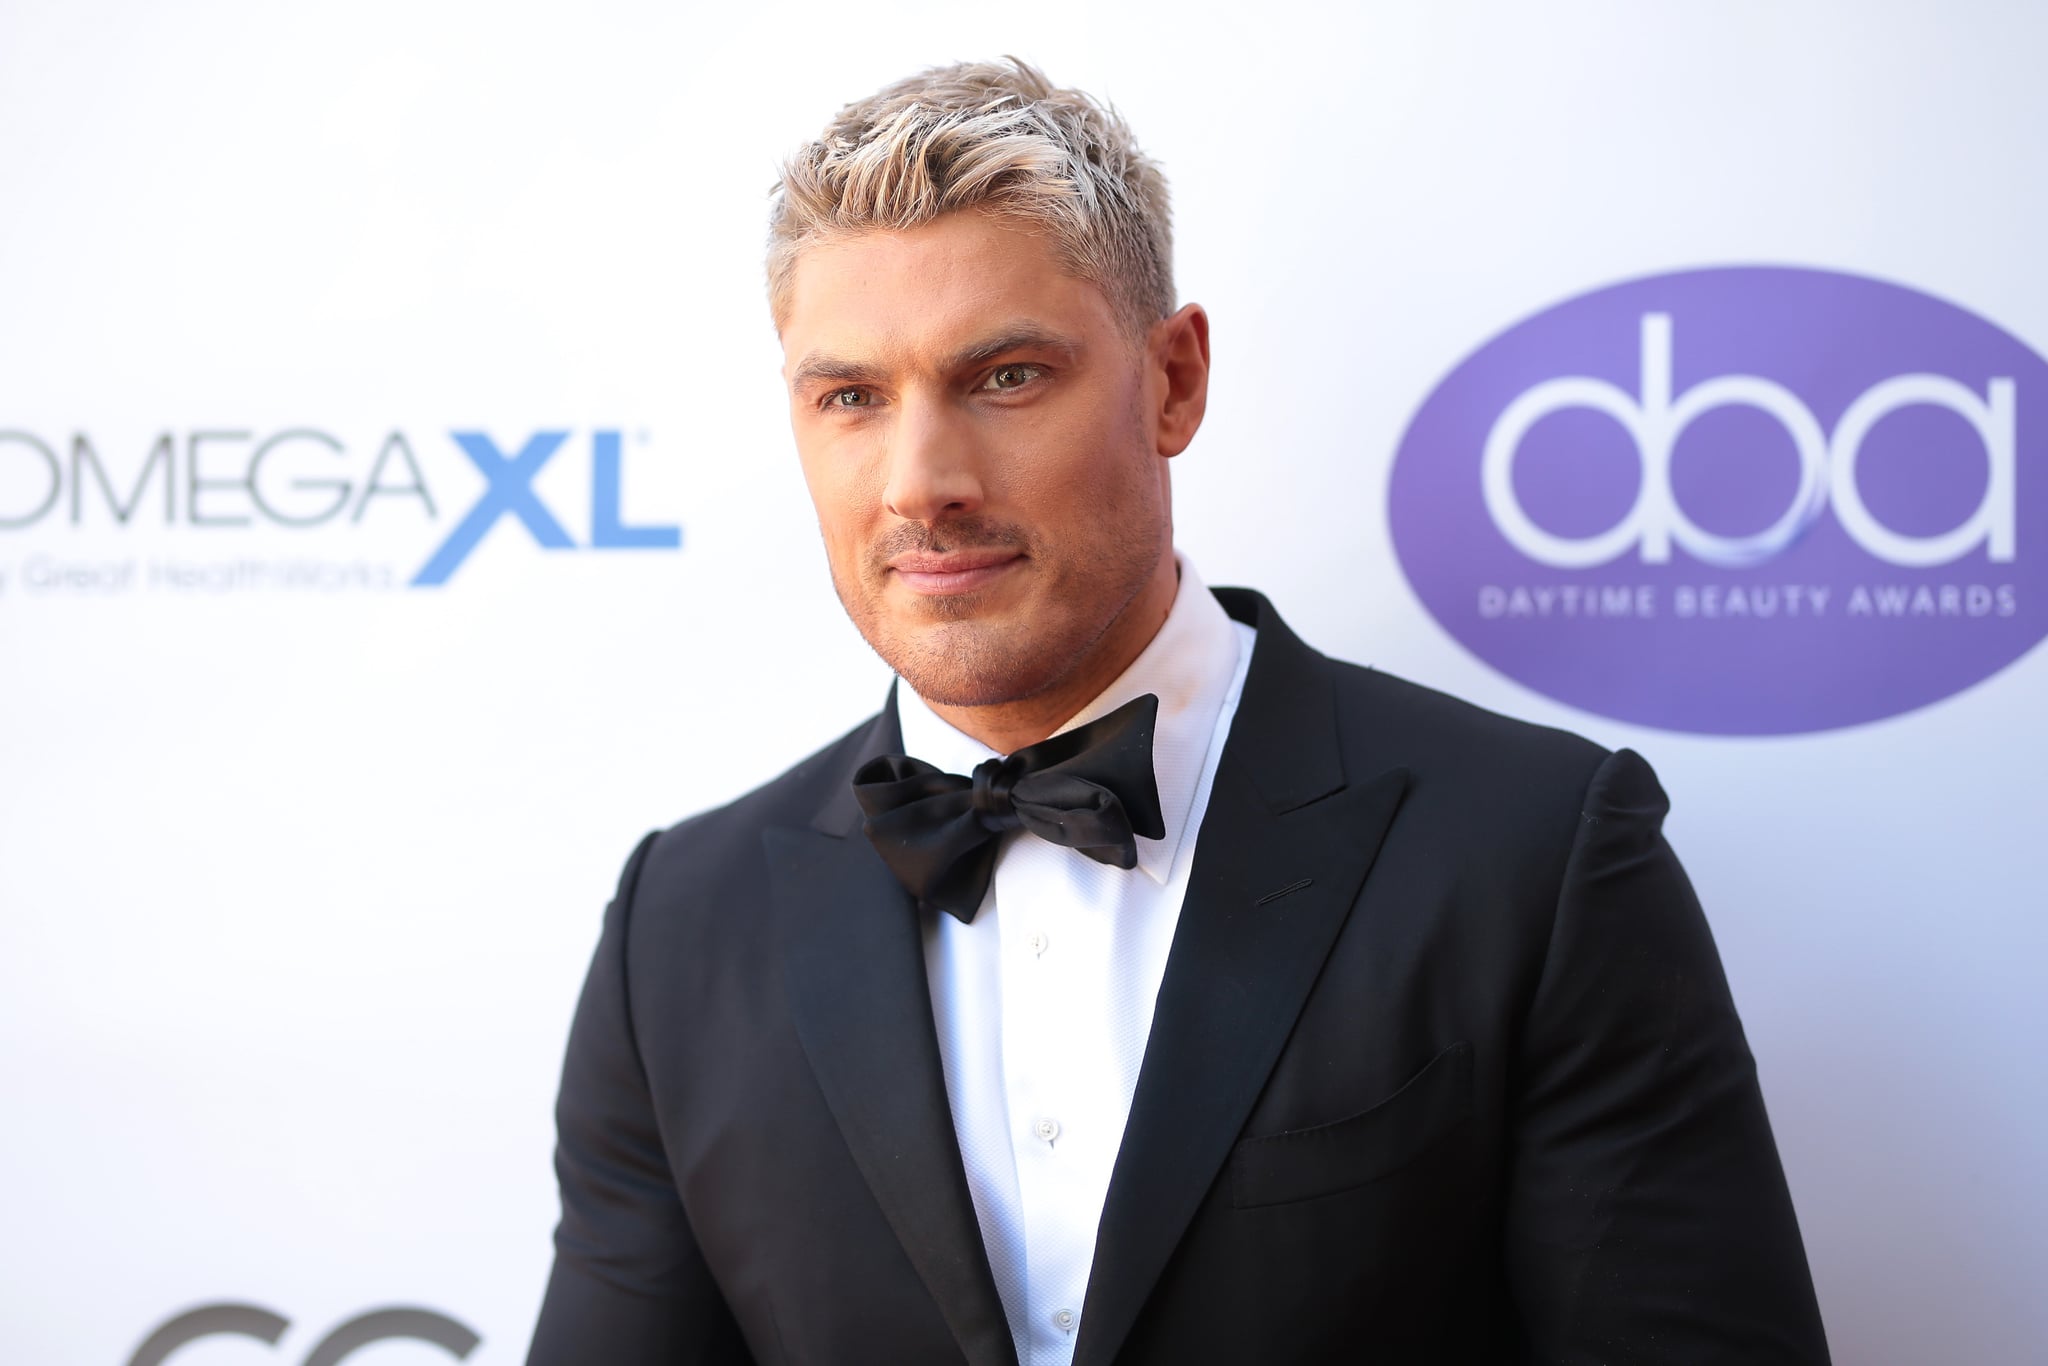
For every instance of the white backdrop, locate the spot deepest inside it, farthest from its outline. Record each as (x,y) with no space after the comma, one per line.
(300,866)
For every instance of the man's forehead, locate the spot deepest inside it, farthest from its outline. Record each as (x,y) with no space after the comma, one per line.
(938,290)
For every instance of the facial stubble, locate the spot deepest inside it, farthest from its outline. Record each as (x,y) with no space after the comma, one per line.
(955,656)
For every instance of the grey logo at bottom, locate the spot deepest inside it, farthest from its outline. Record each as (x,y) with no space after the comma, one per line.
(253,1321)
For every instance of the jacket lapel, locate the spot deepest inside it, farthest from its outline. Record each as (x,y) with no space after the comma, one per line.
(1281,855)
(853,953)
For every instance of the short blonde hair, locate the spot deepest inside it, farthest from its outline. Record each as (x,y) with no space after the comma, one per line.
(999,137)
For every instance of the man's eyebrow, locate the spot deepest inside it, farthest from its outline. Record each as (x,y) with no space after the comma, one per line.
(828,369)
(1024,338)
(816,369)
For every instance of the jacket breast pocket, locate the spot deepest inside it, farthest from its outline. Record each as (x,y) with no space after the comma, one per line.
(1301,1164)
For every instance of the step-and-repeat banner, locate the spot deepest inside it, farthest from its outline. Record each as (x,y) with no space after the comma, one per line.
(398,517)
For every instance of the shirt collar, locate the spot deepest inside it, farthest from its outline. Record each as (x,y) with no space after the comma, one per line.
(1189,664)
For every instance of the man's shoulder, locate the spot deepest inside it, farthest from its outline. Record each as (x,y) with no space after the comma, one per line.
(1487,801)
(1427,723)
(1386,721)
(1489,770)
(791,798)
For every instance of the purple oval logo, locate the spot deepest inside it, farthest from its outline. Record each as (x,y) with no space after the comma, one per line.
(1740,501)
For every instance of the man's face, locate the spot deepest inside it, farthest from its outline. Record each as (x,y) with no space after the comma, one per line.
(982,442)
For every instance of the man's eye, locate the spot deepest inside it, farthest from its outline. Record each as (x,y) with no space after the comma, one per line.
(850,398)
(1013,377)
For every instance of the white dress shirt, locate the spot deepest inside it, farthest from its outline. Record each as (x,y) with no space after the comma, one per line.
(1043,1003)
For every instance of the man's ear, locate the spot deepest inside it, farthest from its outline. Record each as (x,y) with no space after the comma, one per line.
(1179,352)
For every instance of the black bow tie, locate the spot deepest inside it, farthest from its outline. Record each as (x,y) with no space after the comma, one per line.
(1090,789)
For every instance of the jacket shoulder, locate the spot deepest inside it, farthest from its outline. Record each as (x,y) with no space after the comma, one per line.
(792,797)
(1503,783)
(1385,721)
(1435,726)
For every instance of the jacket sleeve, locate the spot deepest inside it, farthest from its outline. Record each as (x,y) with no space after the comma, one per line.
(629,1286)
(1647,1219)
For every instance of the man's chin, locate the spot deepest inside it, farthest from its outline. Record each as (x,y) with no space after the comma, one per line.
(973,663)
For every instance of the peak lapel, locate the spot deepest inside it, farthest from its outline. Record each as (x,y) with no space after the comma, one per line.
(1281,855)
(853,952)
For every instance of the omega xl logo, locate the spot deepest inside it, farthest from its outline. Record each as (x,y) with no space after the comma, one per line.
(304,479)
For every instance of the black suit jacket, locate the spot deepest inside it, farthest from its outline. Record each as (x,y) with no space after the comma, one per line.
(1443,1070)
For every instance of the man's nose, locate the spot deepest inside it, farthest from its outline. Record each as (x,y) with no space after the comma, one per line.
(934,471)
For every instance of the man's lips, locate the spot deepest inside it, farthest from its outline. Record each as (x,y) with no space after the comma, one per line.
(956,571)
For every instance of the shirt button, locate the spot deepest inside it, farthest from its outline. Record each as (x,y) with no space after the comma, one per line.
(1039,943)
(1047,1129)
(1063,1319)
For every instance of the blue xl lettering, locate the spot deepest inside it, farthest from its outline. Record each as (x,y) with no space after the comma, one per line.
(510,490)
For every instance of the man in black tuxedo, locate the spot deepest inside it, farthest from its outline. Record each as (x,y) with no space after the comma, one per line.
(1181,995)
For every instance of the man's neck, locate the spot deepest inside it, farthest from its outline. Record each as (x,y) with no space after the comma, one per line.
(1007,727)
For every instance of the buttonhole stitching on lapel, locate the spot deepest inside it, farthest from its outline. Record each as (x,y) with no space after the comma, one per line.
(1289,890)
